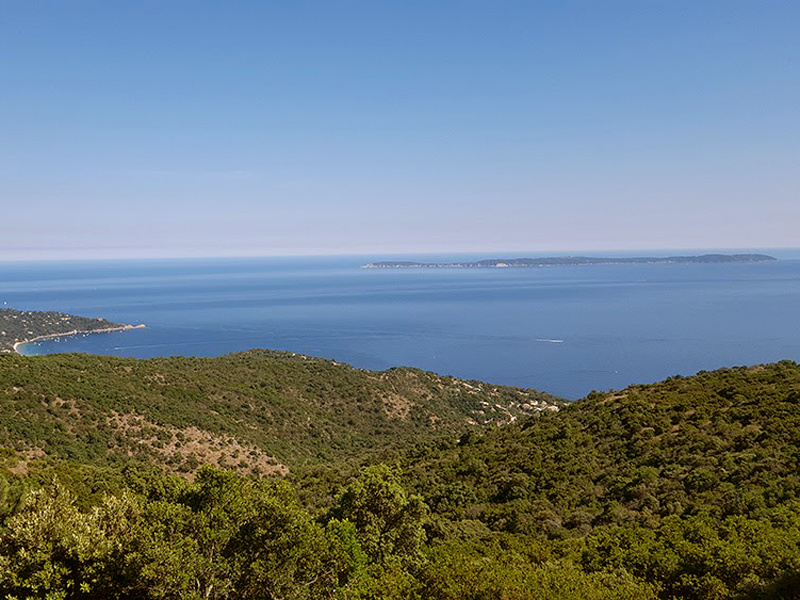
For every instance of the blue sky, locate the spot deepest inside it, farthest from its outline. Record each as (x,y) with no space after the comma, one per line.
(196,128)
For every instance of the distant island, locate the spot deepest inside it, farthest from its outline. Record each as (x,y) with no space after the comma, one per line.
(22,326)
(561,261)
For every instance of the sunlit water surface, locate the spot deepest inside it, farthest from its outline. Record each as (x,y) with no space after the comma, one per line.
(565,330)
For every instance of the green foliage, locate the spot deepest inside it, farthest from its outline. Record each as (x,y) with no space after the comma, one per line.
(229,537)
(12,495)
(52,550)
(465,577)
(700,557)
(786,586)
(389,521)
(684,490)
(497,567)
(253,411)
(720,443)
(690,484)
(224,537)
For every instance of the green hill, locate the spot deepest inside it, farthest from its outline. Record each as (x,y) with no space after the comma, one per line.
(687,489)
(721,443)
(692,484)
(259,411)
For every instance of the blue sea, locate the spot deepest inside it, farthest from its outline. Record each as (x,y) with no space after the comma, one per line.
(564,330)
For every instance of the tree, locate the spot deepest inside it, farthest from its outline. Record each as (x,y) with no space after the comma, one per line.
(389,521)
(53,550)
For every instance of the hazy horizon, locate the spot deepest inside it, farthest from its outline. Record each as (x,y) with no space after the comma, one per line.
(785,253)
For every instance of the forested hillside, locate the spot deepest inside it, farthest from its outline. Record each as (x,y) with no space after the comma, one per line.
(25,325)
(686,489)
(722,443)
(257,412)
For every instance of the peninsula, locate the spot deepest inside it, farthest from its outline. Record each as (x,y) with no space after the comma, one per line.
(561,261)
(22,326)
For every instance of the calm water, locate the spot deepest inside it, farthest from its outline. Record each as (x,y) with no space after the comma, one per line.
(566,330)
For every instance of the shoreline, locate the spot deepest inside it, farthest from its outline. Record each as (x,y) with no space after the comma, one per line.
(75,332)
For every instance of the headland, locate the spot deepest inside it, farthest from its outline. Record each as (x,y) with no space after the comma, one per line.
(19,327)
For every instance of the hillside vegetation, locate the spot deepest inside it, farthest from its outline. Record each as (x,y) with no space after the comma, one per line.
(721,444)
(26,325)
(257,412)
(686,489)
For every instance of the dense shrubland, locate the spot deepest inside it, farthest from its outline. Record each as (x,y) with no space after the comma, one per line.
(687,489)
(258,411)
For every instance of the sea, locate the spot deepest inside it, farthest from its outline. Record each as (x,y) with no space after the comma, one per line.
(565,330)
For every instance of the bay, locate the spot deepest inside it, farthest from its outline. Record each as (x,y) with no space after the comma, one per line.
(564,330)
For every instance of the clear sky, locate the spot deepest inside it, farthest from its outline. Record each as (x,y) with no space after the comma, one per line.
(198,128)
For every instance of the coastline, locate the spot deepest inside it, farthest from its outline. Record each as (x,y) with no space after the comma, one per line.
(572,261)
(75,332)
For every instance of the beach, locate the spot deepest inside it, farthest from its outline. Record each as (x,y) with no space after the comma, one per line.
(75,332)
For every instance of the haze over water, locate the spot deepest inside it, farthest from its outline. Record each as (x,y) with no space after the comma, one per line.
(564,330)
